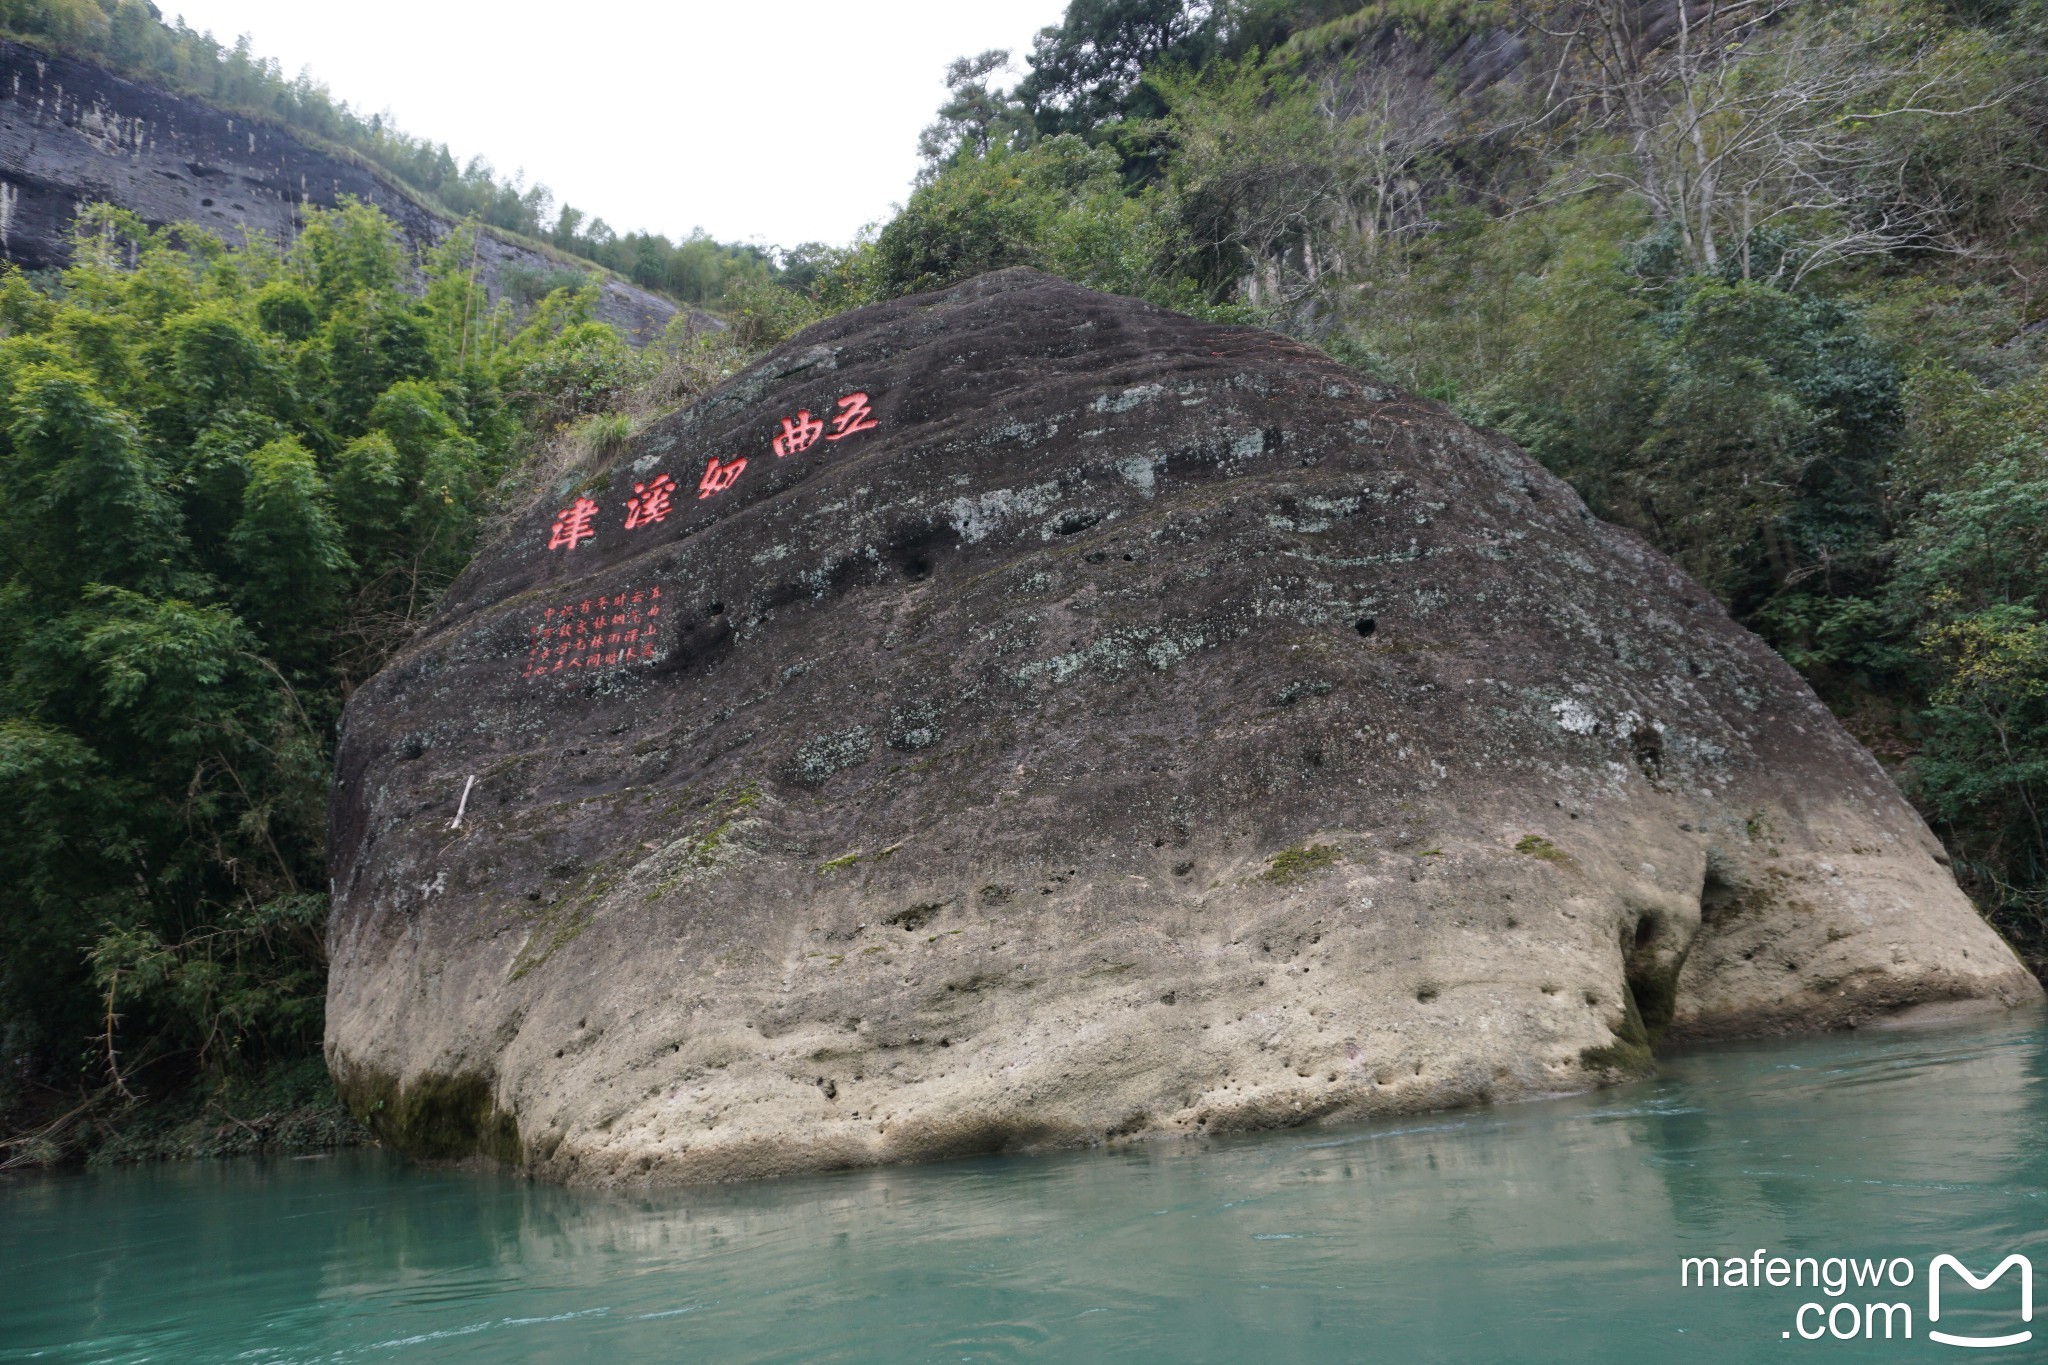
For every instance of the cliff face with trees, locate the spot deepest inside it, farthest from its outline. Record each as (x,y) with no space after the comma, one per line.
(74,133)
(130,38)
(1762,280)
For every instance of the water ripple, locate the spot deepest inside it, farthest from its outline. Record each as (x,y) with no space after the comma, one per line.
(1538,1232)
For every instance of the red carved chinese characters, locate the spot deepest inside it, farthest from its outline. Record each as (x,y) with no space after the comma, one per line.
(719,476)
(595,633)
(572,525)
(854,415)
(649,502)
(653,500)
(799,433)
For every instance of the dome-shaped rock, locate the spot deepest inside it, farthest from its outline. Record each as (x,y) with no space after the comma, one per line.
(1020,715)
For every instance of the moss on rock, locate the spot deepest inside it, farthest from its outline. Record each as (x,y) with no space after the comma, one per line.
(1299,864)
(437,1117)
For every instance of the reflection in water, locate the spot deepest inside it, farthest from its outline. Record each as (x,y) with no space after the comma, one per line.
(1539,1232)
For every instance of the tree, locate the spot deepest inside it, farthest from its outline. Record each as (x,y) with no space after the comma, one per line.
(1059,205)
(289,548)
(1293,179)
(231,481)
(1086,70)
(1741,116)
(976,119)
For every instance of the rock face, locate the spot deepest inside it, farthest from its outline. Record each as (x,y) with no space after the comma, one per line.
(1092,723)
(72,133)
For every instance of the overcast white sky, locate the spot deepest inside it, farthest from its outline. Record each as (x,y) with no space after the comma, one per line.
(780,122)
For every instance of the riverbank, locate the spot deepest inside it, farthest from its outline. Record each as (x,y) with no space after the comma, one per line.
(287,1109)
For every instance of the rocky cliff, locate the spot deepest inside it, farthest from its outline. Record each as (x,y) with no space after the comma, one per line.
(1016,715)
(72,133)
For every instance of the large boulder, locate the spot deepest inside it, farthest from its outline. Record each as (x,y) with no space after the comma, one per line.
(1071,722)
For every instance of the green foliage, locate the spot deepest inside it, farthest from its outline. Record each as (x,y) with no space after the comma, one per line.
(1773,411)
(288,546)
(587,368)
(977,118)
(1972,583)
(1984,768)
(1059,205)
(764,314)
(696,269)
(230,481)
(1086,70)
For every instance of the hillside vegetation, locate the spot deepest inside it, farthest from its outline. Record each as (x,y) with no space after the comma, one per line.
(231,482)
(131,37)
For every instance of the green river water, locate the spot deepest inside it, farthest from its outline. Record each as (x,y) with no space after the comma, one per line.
(1550,1231)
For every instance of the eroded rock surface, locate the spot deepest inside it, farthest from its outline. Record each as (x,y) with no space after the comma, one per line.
(1143,727)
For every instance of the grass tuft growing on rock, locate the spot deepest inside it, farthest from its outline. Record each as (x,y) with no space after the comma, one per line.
(1299,864)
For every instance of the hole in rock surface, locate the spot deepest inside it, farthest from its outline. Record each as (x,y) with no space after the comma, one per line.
(1720,898)
(1653,955)
(1366,625)
(1647,744)
(915,550)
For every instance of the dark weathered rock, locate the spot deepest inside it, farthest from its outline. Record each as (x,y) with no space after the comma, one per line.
(72,133)
(1148,726)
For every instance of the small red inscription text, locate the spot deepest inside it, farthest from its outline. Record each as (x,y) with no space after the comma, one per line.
(595,632)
